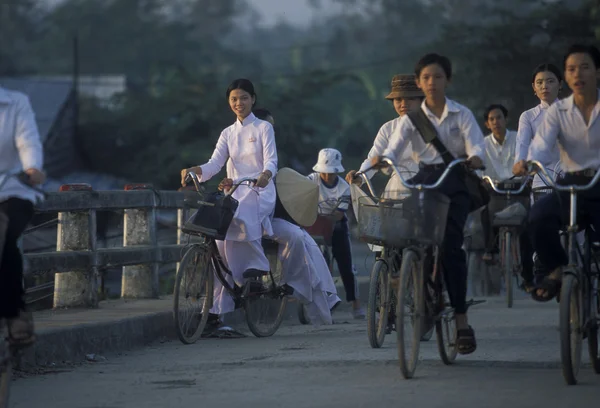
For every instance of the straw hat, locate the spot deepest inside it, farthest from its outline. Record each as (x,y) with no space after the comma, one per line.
(329,161)
(298,195)
(404,86)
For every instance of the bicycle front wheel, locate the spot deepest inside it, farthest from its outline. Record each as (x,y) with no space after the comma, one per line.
(5,372)
(193,294)
(380,295)
(594,326)
(508,267)
(571,328)
(409,312)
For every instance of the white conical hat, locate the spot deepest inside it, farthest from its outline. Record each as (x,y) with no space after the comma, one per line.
(298,195)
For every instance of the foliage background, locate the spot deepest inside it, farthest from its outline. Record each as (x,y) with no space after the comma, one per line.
(324,83)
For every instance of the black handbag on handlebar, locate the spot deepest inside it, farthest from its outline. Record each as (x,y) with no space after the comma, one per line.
(475,186)
(214,215)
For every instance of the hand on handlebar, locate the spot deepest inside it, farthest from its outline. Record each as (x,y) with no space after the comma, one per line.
(352,179)
(475,163)
(225,184)
(520,168)
(263,179)
(185,172)
(34,177)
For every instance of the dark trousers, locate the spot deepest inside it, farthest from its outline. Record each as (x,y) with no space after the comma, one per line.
(453,259)
(341,250)
(525,246)
(19,213)
(549,214)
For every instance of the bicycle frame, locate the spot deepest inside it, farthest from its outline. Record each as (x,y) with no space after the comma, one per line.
(217,261)
(583,275)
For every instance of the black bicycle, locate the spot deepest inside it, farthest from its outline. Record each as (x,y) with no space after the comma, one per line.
(579,315)
(417,224)
(261,296)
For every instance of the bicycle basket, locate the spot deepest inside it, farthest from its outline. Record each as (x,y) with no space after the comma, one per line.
(539,192)
(419,218)
(515,216)
(214,215)
(369,221)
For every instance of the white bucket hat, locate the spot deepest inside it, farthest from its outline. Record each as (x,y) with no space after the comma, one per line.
(330,161)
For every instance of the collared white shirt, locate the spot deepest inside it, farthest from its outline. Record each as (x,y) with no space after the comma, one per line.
(20,145)
(457,129)
(529,123)
(578,142)
(247,147)
(381,143)
(499,158)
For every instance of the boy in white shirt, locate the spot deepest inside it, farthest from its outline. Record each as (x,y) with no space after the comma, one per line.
(334,198)
(500,146)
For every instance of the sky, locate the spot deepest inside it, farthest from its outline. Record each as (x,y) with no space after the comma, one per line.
(294,11)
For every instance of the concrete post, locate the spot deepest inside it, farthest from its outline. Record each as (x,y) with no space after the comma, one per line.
(76,232)
(139,228)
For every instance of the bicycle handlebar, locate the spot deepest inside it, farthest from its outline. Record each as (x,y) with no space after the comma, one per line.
(435,185)
(535,166)
(499,191)
(247,180)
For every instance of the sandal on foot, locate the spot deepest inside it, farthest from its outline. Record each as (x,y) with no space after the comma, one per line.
(465,341)
(528,287)
(21,330)
(550,285)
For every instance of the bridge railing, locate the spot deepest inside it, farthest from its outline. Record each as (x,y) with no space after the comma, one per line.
(77,259)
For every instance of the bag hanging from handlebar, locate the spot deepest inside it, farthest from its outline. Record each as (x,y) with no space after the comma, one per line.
(475,186)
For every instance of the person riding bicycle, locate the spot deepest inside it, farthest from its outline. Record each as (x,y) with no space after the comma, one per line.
(575,123)
(500,146)
(458,130)
(248,149)
(20,151)
(334,194)
(406,97)
(304,267)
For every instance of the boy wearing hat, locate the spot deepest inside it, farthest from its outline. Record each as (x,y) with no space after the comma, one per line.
(406,97)
(334,198)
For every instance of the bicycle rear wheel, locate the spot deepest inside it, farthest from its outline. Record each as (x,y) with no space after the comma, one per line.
(571,328)
(265,310)
(508,267)
(594,326)
(193,293)
(5,371)
(380,294)
(409,311)
(446,334)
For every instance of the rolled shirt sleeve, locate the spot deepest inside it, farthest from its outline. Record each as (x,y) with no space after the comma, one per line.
(27,137)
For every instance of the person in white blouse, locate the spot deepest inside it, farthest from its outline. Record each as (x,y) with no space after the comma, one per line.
(574,123)
(304,267)
(20,151)
(459,132)
(405,96)
(499,158)
(546,82)
(248,149)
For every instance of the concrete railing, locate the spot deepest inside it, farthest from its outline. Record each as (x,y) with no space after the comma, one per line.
(77,259)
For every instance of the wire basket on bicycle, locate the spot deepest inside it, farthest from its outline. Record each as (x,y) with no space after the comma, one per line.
(539,192)
(417,218)
(519,203)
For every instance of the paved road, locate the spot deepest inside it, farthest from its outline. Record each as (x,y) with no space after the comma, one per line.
(516,365)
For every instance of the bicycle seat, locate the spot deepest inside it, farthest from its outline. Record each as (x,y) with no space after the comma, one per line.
(254,273)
